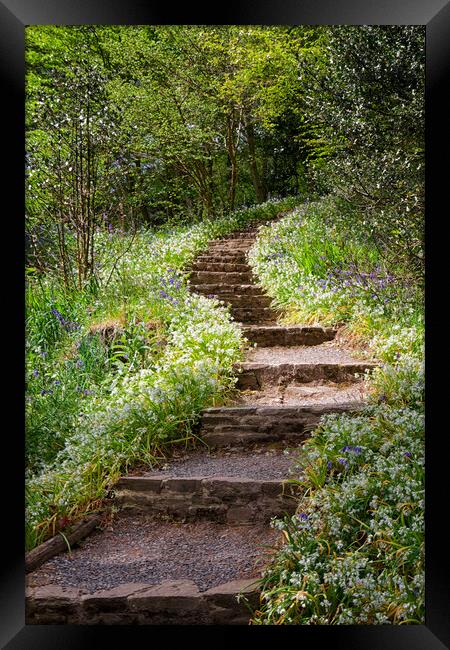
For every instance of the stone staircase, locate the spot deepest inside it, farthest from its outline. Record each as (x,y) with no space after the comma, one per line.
(234,486)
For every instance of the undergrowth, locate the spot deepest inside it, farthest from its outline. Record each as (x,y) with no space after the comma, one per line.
(354,550)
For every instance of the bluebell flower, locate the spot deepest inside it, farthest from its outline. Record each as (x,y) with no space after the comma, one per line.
(355,450)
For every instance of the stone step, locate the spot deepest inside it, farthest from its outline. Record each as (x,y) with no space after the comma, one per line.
(313,393)
(172,602)
(243,234)
(230,500)
(250,302)
(211,277)
(233,242)
(287,335)
(246,425)
(231,257)
(224,250)
(219,289)
(243,487)
(253,314)
(143,571)
(255,376)
(233,267)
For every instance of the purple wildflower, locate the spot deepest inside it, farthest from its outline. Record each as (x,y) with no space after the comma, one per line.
(355,450)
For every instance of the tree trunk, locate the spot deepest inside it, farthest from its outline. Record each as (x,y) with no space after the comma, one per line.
(231,150)
(258,183)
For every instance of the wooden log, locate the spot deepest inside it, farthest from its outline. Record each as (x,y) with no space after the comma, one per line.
(58,544)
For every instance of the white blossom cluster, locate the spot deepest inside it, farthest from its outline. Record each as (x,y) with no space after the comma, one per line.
(354,551)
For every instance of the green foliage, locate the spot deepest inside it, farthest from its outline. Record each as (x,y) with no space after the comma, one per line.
(318,271)
(353,552)
(186,118)
(367,106)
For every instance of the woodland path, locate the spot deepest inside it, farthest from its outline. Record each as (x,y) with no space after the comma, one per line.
(190,536)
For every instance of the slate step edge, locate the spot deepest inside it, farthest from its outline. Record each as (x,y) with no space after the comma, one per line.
(217,287)
(254,376)
(272,335)
(170,602)
(221,266)
(243,425)
(222,499)
(277,410)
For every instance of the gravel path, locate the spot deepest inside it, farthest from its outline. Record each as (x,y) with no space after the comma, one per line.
(329,352)
(259,464)
(138,549)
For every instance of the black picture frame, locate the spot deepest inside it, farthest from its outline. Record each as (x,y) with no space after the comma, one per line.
(435,15)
